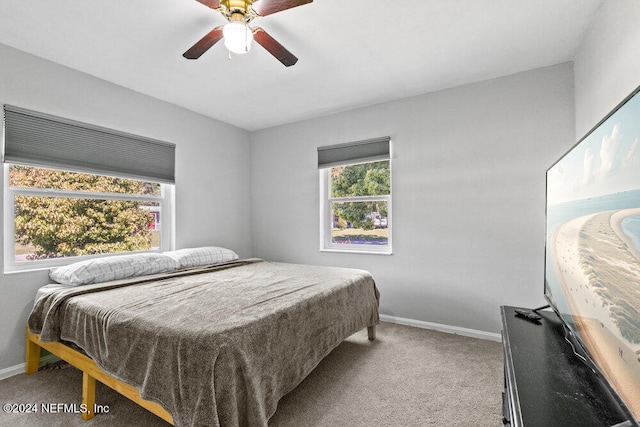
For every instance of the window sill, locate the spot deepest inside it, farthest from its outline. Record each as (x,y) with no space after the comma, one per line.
(355,251)
(9,272)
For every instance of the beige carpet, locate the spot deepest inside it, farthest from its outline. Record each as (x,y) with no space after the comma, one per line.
(406,377)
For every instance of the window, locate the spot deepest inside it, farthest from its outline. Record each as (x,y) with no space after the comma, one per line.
(52,214)
(355,200)
(75,190)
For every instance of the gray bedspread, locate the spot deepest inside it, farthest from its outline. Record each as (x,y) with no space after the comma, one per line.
(219,347)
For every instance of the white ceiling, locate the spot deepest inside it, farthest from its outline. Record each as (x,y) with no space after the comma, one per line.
(352,53)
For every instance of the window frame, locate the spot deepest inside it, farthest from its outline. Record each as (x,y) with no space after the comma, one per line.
(326,244)
(165,199)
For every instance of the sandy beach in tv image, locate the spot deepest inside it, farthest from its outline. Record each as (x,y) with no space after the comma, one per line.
(593,246)
(589,250)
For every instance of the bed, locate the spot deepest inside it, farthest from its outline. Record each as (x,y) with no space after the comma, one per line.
(215,344)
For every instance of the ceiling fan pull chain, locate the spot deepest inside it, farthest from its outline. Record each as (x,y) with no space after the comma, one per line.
(229,55)
(246,37)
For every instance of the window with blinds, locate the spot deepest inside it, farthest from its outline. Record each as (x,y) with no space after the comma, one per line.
(355,196)
(74,190)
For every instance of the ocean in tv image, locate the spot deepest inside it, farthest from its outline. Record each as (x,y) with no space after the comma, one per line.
(593,247)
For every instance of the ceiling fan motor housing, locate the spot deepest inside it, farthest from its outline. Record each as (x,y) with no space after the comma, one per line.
(238,10)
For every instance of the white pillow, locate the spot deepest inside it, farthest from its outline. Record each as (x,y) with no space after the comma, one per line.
(113,268)
(208,255)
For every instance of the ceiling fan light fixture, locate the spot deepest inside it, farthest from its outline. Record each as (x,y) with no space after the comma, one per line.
(237,37)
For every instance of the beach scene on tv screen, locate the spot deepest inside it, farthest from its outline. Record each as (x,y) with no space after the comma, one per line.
(593,247)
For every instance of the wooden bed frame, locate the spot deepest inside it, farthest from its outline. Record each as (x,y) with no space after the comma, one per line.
(91,372)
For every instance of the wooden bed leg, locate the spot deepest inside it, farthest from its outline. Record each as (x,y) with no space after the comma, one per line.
(33,356)
(371,331)
(88,395)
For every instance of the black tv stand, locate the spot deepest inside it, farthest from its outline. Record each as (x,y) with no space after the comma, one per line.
(546,384)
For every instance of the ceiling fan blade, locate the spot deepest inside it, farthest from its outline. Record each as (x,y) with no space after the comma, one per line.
(213,4)
(267,7)
(273,47)
(204,44)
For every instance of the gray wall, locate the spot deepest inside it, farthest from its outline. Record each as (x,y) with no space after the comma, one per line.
(607,65)
(212,171)
(468,182)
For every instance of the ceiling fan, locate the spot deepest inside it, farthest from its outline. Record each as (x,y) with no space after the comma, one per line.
(237,33)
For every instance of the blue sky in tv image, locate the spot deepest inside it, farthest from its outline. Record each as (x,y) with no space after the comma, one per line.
(593,246)
(606,161)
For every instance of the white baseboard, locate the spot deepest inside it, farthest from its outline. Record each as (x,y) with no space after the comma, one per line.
(474,333)
(19,369)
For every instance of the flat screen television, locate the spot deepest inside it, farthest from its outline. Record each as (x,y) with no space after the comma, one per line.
(592,257)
